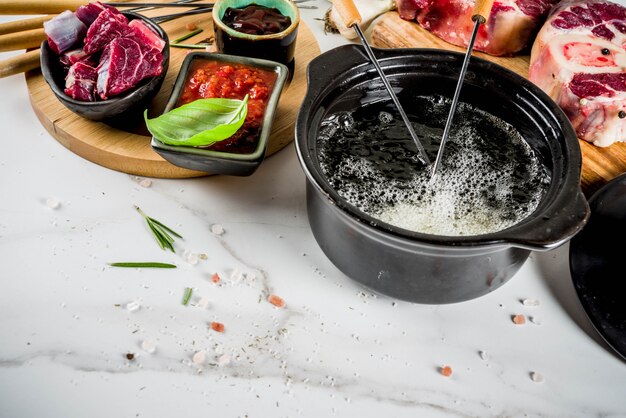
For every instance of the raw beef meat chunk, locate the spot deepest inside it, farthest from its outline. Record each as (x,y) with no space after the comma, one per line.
(508,30)
(579,59)
(107,26)
(124,63)
(90,11)
(80,82)
(145,35)
(64,31)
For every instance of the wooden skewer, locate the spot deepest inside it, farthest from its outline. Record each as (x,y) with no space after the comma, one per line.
(20,63)
(24,24)
(18,7)
(25,39)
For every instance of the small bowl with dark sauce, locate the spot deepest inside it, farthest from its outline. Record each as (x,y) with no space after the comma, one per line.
(265,29)
(206,75)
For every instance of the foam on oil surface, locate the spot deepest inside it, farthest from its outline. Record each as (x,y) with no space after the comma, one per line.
(489,179)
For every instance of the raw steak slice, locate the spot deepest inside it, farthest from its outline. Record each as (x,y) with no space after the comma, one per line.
(107,26)
(146,36)
(81,81)
(124,63)
(579,59)
(509,29)
(64,31)
(89,12)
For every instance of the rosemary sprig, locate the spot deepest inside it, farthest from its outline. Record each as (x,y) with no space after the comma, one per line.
(161,232)
(187,296)
(147,264)
(189,35)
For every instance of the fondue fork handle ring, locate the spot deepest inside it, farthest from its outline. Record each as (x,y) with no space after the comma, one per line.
(351,18)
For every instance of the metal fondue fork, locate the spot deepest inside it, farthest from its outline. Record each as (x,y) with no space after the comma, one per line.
(482,8)
(351,18)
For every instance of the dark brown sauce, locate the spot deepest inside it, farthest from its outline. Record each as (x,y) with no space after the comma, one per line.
(256,20)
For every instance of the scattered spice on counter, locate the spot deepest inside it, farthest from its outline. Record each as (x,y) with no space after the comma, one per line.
(217,326)
(133,306)
(536,377)
(215,278)
(534,320)
(530,302)
(445,371)
(148,346)
(217,229)
(276,301)
(518,319)
(483,355)
(191,26)
(130,356)
(199,357)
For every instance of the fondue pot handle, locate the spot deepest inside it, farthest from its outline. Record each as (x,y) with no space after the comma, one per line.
(555,225)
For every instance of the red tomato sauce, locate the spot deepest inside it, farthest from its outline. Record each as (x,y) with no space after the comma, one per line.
(215,79)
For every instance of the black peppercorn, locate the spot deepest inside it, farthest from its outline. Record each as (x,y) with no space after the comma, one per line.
(130,356)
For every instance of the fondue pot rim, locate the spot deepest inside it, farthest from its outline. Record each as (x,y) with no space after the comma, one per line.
(563,210)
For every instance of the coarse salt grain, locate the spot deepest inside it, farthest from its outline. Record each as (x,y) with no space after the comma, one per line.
(148,346)
(217,326)
(133,306)
(203,303)
(536,377)
(236,276)
(223,360)
(518,319)
(190,257)
(145,183)
(483,355)
(53,203)
(276,301)
(445,371)
(217,229)
(199,357)
(530,302)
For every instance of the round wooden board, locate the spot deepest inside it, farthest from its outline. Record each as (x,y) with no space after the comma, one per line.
(600,165)
(130,152)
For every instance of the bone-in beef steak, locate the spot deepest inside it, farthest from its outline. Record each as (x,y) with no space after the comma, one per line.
(509,29)
(579,60)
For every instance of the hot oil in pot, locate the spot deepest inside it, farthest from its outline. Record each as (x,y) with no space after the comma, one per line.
(490,178)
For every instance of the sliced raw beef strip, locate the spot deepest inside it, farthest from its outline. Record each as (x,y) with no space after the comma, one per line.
(124,63)
(107,26)
(509,29)
(90,11)
(64,31)
(579,59)
(145,35)
(80,82)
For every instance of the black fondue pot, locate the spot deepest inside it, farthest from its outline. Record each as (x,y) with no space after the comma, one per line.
(427,268)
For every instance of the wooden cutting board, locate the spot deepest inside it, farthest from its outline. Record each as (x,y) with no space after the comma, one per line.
(128,150)
(599,164)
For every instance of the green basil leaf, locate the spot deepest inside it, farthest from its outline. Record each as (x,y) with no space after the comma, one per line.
(199,123)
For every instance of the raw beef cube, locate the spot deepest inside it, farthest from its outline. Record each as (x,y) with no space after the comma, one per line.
(72,56)
(81,81)
(124,63)
(64,31)
(90,11)
(107,26)
(145,35)
(509,29)
(578,58)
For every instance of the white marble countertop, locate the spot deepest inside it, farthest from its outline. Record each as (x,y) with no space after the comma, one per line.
(68,321)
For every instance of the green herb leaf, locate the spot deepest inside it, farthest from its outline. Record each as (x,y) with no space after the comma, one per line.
(187,296)
(190,46)
(199,123)
(160,231)
(147,264)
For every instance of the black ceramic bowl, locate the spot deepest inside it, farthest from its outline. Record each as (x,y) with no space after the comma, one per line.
(278,47)
(128,104)
(222,162)
(428,268)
